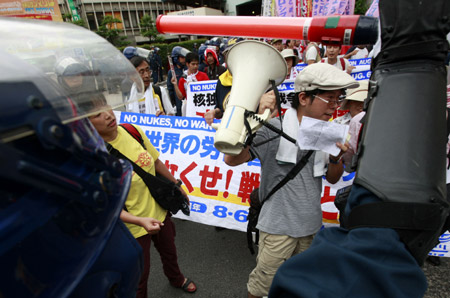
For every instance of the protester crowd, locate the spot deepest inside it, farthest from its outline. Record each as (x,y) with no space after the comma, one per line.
(283,233)
(207,62)
(291,218)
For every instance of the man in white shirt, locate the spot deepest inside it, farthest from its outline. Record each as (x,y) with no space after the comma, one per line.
(333,59)
(149,102)
(359,52)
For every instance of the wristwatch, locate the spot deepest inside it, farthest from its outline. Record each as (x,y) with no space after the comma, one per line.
(334,161)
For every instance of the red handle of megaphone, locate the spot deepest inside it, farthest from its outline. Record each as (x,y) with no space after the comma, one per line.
(351,30)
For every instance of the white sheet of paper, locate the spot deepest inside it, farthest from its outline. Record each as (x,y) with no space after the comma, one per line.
(321,135)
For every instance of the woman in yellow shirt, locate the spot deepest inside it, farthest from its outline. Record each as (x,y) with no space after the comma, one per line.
(143,216)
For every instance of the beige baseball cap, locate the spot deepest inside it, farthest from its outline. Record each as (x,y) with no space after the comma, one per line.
(286,53)
(356,94)
(323,76)
(276,40)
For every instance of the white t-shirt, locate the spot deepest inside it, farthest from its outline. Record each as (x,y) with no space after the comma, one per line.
(142,103)
(362,53)
(338,63)
(311,54)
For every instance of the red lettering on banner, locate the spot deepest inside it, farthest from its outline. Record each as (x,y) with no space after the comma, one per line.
(227,183)
(212,176)
(185,180)
(325,199)
(326,195)
(249,181)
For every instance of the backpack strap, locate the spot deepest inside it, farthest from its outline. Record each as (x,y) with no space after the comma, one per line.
(319,55)
(292,173)
(132,130)
(342,63)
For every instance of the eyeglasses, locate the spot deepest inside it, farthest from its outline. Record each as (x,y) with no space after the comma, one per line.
(332,102)
(145,70)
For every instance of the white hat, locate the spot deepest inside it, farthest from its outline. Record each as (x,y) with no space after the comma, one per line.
(286,53)
(323,76)
(356,94)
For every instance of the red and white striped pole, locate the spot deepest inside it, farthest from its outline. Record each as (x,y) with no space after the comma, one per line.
(347,30)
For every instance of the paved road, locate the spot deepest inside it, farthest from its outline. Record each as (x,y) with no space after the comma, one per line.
(219,262)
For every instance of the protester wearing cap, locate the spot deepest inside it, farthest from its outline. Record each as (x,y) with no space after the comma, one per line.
(354,102)
(292,215)
(277,44)
(291,61)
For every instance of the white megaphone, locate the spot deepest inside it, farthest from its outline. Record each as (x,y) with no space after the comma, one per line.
(253,65)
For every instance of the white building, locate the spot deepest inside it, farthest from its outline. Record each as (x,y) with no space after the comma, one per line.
(130,12)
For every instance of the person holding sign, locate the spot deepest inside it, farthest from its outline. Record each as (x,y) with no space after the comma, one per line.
(192,74)
(292,216)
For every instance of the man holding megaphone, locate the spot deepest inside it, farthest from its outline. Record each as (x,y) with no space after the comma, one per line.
(292,215)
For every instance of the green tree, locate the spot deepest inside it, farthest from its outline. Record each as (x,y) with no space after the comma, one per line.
(361,6)
(67,17)
(108,31)
(148,29)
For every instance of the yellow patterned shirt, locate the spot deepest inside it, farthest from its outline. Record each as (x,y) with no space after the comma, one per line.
(139,201)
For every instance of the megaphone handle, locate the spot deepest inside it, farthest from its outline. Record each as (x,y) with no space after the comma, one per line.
(277,97)
(268,125)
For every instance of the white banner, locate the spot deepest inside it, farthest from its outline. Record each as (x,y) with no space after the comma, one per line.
(332,7)
(373,9)
(286,8)
(219,194)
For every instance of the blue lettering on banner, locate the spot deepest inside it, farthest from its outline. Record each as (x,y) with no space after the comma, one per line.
(286,86)
(190,144)
(198,207)
(155,137)
(361,75)
(359,62)
(440,250)
(299,67)
(209,149)
(256,162)
(195,87)
(171,142)
(444,237)
(222,212)
(348,177)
